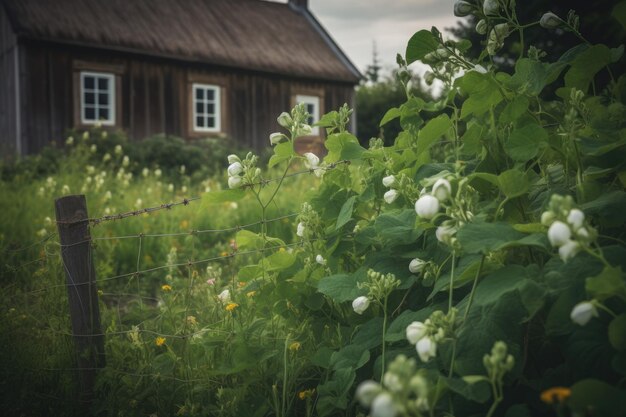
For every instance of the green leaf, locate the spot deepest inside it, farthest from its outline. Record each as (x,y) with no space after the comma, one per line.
(434,129)
(398,226)
(479,391)
(602,398)
(483,93)
(341,287)
(420,44)
(530,77)
(481,237)
(345,215)
(392,113)
(342,146)
(222,196)
(513,183)
(248,240)
(369,335)
(608,208)
(351,356)
(617,332)
(586,66)
(619,13)
(279,261)
(514,110)
(609,283)
(472,139)
(524,143)
(282,152)
(333,394)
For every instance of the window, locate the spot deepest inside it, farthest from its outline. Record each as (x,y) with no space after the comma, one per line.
(206,108)
(97,98)
(312,105)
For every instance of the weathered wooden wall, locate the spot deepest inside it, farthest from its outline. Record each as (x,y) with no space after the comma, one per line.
(8,105)
(154,95)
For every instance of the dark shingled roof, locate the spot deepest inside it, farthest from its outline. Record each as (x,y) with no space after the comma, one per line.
(251,34)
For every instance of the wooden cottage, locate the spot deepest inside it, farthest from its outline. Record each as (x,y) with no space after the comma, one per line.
(188,68)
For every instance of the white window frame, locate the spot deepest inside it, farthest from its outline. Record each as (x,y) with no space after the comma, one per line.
(217,101)
(111,93)
(315,102)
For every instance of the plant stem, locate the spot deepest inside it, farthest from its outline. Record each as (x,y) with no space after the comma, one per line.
(382,372)
(471,296)
(451,281)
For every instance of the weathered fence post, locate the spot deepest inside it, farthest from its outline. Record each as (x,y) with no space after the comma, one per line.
(73,226)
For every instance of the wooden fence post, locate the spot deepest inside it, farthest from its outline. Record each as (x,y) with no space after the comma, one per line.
(73,226)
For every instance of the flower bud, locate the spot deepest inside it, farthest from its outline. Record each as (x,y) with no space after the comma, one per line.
(312,161)
(559,233)
(481,27)
(360,304)
(426,349)
(427,207)
(462,8)
(547,217)
(442,189)
(320,260)
(284,119)
(382,406)
(389,181)
(234,182)
(300,229)
(235,169)
(305,130)
(576,218)
(233,158)
(390,196)
(276,137)
(568,250)
(444,233)
(550,21)
(491,8)
(366,392)
(417,265)
(583,312)
(415,332)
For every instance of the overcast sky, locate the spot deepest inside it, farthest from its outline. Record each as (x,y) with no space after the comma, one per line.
(356,24)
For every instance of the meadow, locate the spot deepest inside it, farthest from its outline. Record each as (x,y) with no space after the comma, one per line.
(472,268)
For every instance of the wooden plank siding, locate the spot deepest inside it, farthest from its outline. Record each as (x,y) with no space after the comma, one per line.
(8,88)
(154,95)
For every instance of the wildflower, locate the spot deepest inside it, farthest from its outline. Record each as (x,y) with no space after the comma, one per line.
(118,149)
(366,392)
(462,8)
(360,304)
(491,8)
(145,172)
(583,312)
(160,341)
(276,138)
(550,21)
(65,189)
(295,346)
(426,348)
(183,189)
(138,203)
(85,135)
(427,207)
(559,233)
(106,157)
(307,393)
(284,119)
(417,265)
(125,161)
(233,158)
(390,196)
(234,182)
(231,306)
(383,406)
(166,287)
(70,141)
(312,161)
(320,260)
(235,169)
(158,172)
(389,180)
(224,296)
(415,332)
(442,189)
(300,229)
(445,232)
(192,320)
(576,218)
(568,250)
(210,281)
(250,294)
(555,395)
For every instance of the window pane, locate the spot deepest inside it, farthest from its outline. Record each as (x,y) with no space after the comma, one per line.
(103,114)
(210,121)
(89,82)
(210,94)
(90,98)
(310,121)
(103,99)
(200,121)
(199,94)
(90,113)
(103,84)
(210,109)
(310,108)
(199,108)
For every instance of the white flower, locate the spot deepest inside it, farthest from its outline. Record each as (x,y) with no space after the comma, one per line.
(382,406)
(224,296)
(65,189)
(547,217)
(576,218)
(145,172)
(583,233)
(583,312)
(276,137)
(568,250)
(125,161)
(70,140)
(312,161)
(462,8)
(415,332)
(235,169)
(491,7)
(138,203)
(305,130)
(234,182)
(233,158)
(320,260)
(300,229)
(106,157)
(118,149)
(170,188)
(427,206)
(417,265)
(360,304)
(392,382)
(559,233)
(426,349)
(158,172)
(550,21)
(284,119)
(389,180)
(444,233)
(366,392)
(442,189)
(390,196)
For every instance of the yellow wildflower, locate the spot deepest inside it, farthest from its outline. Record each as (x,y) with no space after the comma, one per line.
(241,284)
(231,306)
(192,320)
(250,294)
(555,395)
(224,254)
(295,346)
(184,224)
(307,393)
(159,341)
(166,287)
